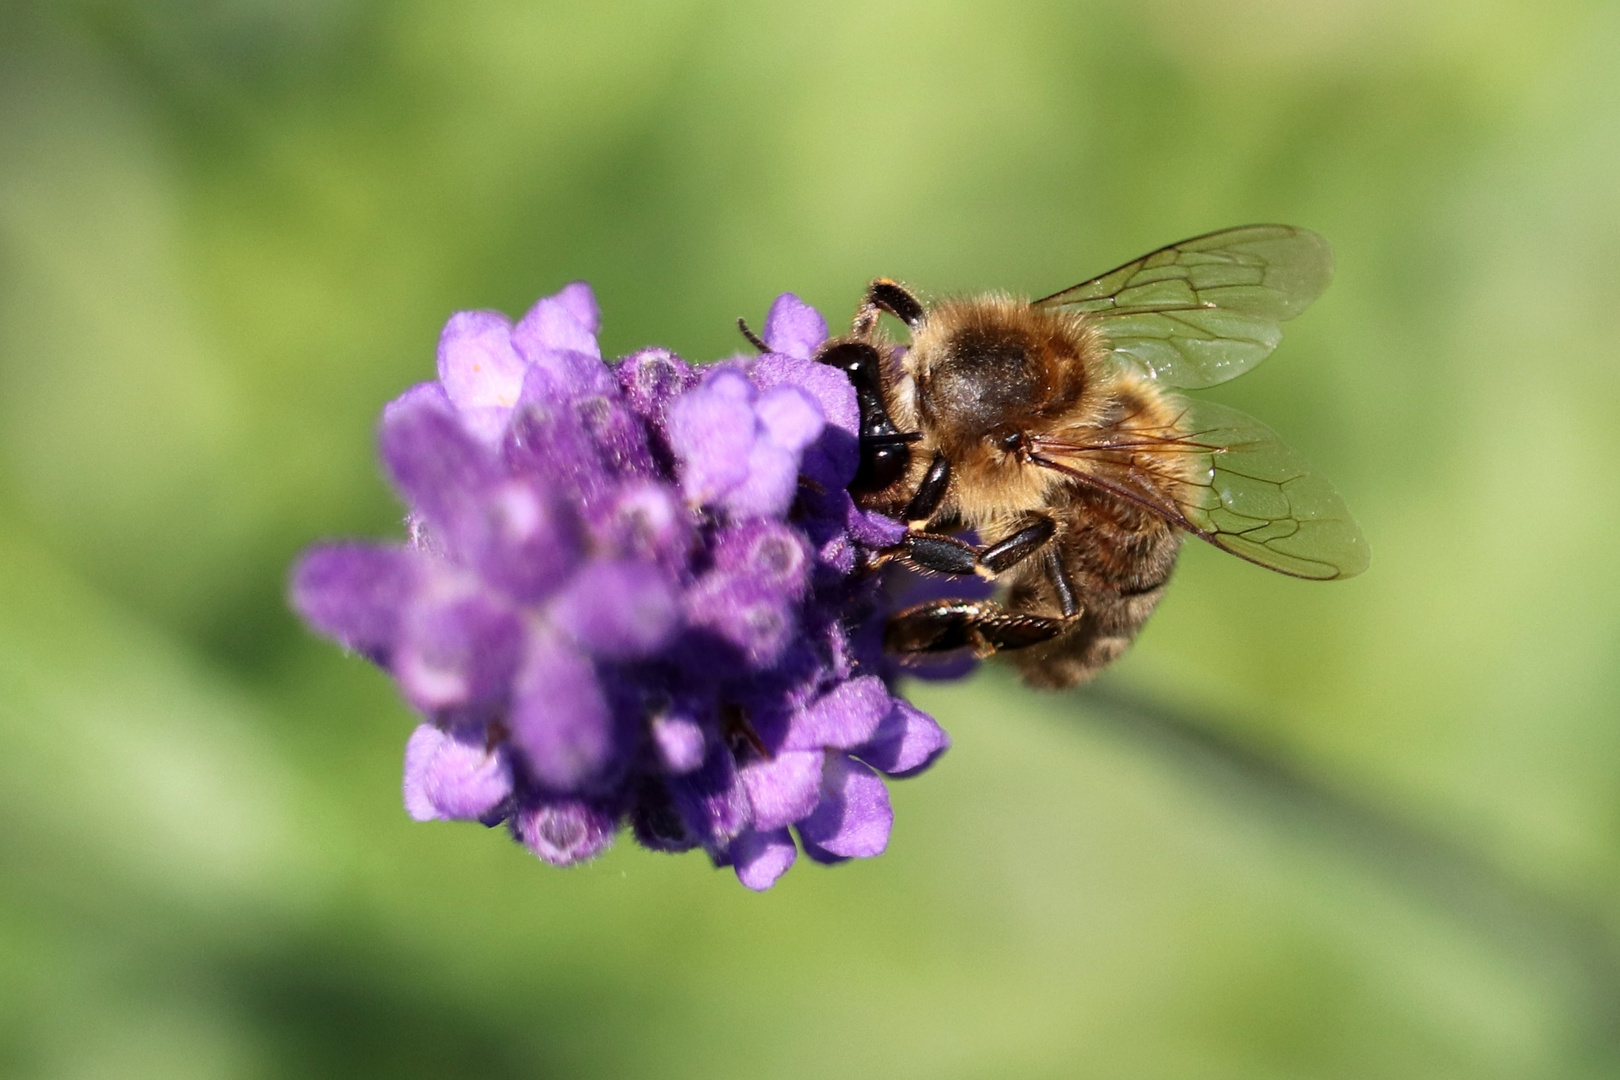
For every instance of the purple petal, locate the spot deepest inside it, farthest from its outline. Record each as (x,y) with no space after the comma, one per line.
(564,832)
(711,801)
(711,431)
(832,640)
(573,374)
(554,326)
(440,469)
(818,853)
(759,858)
(854,816)
(456,649)
(831,460)
(873,529)
(617,610)
(453,778)
(424,394)
(616,433)
(560,719)
(547,440)
(794,327)
(906,742)
(783,789)
(580,302)
(729,381)
(791,418)
(354,593)
(846,716)
(647,521)
(679,742)
(530,539)
(554,341)
(768,487)
(480,371)
(831,388)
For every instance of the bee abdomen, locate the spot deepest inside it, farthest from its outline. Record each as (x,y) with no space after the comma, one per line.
(1100,636)
(1114,603)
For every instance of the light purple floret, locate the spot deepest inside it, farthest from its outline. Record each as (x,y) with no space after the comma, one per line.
(737,450)
(633,594)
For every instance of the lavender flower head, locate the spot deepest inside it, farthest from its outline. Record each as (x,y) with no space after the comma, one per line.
(633,593)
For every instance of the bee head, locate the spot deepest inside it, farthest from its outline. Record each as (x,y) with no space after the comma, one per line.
(991,369)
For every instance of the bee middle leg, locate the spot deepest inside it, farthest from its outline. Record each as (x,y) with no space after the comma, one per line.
(980,625)
(948,555)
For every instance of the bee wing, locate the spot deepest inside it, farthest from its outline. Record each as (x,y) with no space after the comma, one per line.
(1258,499)
(1245,491)
(1205,310)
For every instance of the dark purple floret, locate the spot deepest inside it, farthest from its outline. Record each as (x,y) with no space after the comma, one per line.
(633,594)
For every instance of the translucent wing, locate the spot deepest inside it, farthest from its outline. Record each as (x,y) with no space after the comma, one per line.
(1207,309)
(1227,478)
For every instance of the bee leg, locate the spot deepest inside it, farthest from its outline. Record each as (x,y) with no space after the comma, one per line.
(1067,603)
(980,625)
(939,553)
(948,555)
(929,550)
(1003,555)
(885,295)
(930,493)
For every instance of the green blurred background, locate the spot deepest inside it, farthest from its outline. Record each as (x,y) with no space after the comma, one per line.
(1369,829)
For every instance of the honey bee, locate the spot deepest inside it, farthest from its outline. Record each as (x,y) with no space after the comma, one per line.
(1052,430)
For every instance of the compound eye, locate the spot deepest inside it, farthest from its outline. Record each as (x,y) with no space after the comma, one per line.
(1010,442)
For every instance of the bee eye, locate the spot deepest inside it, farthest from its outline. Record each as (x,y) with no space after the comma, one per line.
(1008,441)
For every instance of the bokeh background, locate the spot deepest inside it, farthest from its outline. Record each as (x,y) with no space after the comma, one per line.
(1368,829)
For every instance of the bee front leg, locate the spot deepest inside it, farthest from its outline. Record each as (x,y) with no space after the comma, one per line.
(930,493)
(981,625)
(886,295)
(930,550)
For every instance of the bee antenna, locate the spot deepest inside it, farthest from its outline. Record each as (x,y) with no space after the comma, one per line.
(753,338)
